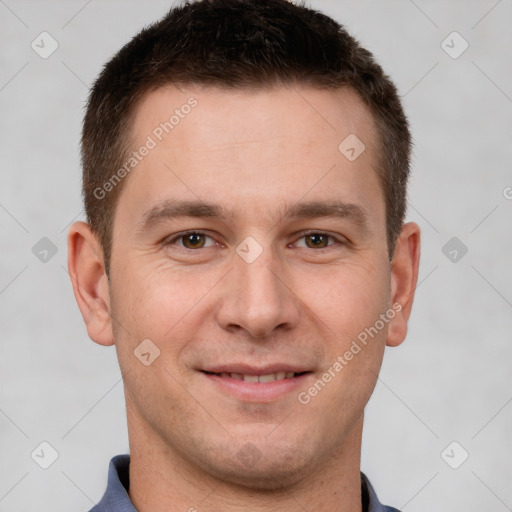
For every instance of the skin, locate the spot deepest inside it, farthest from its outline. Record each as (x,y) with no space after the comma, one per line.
(252,153)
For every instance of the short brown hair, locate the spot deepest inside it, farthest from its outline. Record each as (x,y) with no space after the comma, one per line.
(249,44)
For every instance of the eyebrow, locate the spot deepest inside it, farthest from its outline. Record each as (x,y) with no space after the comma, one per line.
(172,209)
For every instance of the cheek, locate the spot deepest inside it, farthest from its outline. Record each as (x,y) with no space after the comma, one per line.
(155,302)
(347,308)
(347,300)
(338,396)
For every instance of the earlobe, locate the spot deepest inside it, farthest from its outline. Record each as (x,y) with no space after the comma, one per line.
(90,284)
(404,278)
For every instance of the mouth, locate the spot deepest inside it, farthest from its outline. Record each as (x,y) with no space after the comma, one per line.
(253,385)
(268,377)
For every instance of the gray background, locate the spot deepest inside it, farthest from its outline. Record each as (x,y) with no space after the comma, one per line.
(451,379)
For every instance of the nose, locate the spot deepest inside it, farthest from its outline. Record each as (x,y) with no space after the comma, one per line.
(257,298)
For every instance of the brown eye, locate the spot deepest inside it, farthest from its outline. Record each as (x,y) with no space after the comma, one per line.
(193,240)
(317,240)
(189,240)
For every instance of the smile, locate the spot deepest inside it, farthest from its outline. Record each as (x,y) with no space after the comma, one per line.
(254,386)
(269,377)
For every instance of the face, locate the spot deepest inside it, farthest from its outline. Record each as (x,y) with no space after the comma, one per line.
(250,249)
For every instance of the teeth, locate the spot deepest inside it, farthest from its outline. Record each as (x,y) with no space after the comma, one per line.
(270,377)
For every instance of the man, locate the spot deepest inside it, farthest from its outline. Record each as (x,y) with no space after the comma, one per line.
(244,177)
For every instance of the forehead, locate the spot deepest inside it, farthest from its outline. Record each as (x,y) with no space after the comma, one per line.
(266,111)
(254,148)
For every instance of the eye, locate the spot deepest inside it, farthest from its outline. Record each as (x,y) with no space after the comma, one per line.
(318,240)
(190,240)
(199,240)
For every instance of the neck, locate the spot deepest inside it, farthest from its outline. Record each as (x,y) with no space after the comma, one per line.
(163,479)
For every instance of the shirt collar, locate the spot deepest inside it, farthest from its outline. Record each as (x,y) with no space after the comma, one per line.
(116,498)
(370,499)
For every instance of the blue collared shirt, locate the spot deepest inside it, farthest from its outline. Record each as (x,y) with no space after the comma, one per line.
(116,498)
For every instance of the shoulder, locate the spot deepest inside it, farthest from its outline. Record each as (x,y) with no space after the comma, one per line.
(116,498)
(371,502)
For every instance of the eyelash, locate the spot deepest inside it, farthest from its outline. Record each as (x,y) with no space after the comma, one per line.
(304,234)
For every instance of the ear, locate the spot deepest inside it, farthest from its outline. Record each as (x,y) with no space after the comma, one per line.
(404,277)
(89,280)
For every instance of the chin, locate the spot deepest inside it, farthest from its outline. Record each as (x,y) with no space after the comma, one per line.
(269,478)
(270,469)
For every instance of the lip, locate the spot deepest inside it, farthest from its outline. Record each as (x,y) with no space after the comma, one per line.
(256,392)
(255,370)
